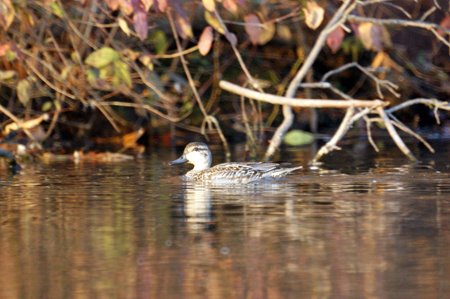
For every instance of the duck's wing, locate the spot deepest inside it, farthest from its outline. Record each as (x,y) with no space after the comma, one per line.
(256,166)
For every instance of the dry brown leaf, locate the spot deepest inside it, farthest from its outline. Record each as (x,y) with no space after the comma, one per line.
(181,20)
(128,140)
(230,5)
(284,32)
(371,36)
(161,5)
(23,91)
(29,124)
(268,31)
(113,4)
(6,13)
(313,14)
(206,40)
(382,59)
(126,7)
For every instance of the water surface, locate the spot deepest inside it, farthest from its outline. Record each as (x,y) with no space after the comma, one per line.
(363,225)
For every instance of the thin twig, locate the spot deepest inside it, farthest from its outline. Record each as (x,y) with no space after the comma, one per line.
(394,135)
(399,22)
(244,68)
(378,82)
(208,119)
(338,19)
(405,129)
(332,144)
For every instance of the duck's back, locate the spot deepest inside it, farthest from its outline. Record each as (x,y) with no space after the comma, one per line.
(241,172)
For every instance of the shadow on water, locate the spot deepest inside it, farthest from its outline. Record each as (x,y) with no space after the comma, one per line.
(371,226)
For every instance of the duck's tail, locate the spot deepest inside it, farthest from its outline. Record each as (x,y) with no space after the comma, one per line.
(281,172)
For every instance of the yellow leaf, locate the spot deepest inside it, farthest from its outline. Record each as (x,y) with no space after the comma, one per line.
(57,10)
(214,22)
(7,75)
(102,57)
(124,26)
(267,33)
(313,14)
(23,91)
(209,5)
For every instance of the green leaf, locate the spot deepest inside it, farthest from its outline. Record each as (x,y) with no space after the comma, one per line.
(92,76)
(102,57)
(159,40)
(57,10)
(121,73)
(106,72)
(47,106)
(298,137)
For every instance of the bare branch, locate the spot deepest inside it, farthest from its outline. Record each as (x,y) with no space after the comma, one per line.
(332,144)
(338,18)
(394,135)
(208,119)
(399,22)
(295,102)
(378,82)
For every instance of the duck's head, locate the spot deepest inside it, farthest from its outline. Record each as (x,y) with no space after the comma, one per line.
(196,153)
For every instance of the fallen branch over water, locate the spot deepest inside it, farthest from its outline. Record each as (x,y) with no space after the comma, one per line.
(371,107)
(295,102)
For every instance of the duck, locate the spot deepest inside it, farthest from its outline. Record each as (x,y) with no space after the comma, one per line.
(199,155)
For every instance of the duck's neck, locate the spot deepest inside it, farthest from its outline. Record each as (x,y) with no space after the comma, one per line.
(202,164)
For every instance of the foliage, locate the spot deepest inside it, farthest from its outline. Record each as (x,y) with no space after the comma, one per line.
(65,57)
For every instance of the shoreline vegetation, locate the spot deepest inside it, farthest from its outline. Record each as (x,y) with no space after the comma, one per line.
(121,76)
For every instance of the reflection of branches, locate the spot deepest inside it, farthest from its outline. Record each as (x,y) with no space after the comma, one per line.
(209,120)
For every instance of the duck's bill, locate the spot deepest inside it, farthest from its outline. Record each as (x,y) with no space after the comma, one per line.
(180,160)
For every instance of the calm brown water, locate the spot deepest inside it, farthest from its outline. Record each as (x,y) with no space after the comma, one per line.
(364,226)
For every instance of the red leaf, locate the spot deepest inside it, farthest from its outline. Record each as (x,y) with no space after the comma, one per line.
(335,38)
(206,40)
(140,19)
(253,28)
